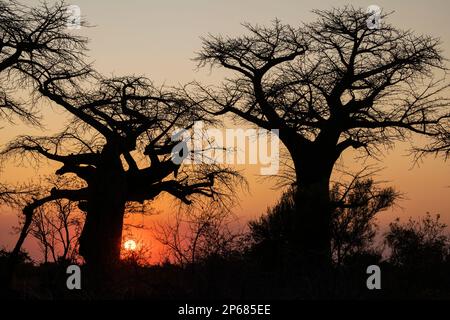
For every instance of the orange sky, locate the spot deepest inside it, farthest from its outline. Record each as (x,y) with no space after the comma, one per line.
(158,39)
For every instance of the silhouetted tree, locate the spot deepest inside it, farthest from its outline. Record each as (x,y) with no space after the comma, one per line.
(120,145)
(418,243)
(272,234)
(328,86)
(196,235)
(57,226)
(353,224)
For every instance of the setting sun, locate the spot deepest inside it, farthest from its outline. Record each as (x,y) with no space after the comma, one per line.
(130,245)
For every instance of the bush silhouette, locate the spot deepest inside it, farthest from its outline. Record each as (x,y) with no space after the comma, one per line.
(418,242)
(353,226)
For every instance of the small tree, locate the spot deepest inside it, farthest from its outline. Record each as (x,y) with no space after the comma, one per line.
(418,242)
(352,227)
(195,235)
(353,219)
(57,226)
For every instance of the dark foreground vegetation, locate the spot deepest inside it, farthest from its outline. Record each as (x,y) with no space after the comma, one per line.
(414,258)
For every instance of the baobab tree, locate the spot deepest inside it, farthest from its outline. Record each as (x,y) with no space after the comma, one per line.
(328,86)
(119,144)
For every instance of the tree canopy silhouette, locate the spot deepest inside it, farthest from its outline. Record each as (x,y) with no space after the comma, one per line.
(328,86)
(119,143)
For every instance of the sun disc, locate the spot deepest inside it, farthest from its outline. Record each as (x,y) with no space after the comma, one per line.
(130,245)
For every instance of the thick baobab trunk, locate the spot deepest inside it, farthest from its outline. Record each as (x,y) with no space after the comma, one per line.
(101,237)
(102,233)
(313,220)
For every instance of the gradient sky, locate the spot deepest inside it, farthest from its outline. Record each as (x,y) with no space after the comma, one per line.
(159,39)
